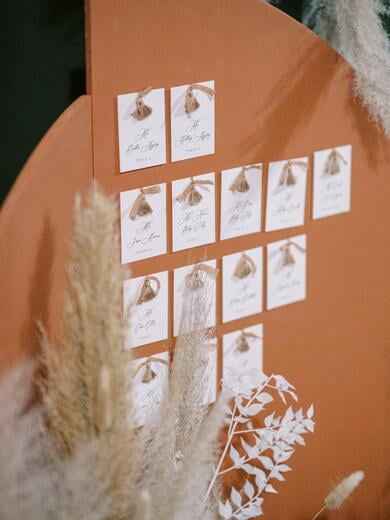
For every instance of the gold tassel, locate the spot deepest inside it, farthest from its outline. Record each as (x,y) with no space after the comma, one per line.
(149,374)
(288,258)
(240,183)
(244,267)
(287,178)
(142,111)
(194,197)
(243,186)
(147,292)
(144,207)
(141,206)
(332,164)
(242,344)
(190,193)
(191,103)
(193,281)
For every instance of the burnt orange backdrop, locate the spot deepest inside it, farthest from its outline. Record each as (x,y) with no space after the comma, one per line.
(281,93)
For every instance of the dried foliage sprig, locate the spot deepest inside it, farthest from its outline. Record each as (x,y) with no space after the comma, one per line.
(355,29)
(270,446)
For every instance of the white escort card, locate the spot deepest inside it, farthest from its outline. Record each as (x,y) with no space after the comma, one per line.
(147,299)
(286,271)
(193,211)
(286,194)
(141,129)
(143,223)
(241,201)
(332,181)
(242,360)
(192,120)
(242,288)
(149,379)
(194,283)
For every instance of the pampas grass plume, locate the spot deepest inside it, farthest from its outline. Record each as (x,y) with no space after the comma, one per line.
(341,492)
(103,401)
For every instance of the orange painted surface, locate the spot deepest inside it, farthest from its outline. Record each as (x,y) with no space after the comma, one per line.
(35,229)
(281,93)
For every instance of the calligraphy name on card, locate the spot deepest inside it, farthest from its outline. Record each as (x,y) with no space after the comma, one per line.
(141,129)
(143,223)
(149,378)
(241,201)
(242,276)
(195,296)
(147,299)
(242,360)
(286,271)
(332,181)
(193,211)
(192,120)
(286,194)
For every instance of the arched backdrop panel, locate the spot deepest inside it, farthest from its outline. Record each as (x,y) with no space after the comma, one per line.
(35,229)
(281,93)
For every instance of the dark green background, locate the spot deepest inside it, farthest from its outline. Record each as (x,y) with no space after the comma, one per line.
(43,70)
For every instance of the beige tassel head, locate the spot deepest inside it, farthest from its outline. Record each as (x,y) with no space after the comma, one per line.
(244,267)
(332,166)
(240,183)
(242,344)
(243,185)
(291,180)
(147,292)
(288,258)
(149,374)
(287,177)
(194,197)
(142,111)
(144,207)
(191,103)
(194,281)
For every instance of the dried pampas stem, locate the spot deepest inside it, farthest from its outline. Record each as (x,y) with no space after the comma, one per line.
(341,492)
(103,401)
(144,506)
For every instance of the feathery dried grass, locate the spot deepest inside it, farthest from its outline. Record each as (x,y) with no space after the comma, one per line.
(354,28)
(85,387)
(90,464)
(343,490)
(26,487)
(175,435)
